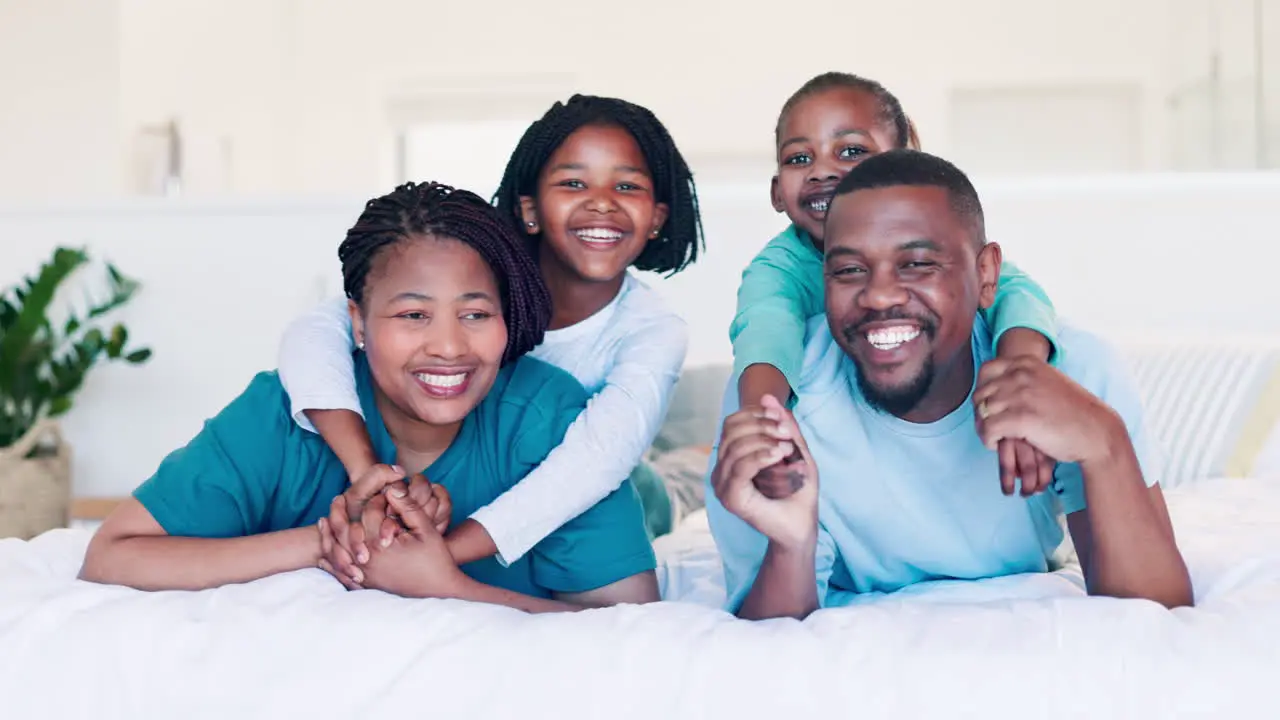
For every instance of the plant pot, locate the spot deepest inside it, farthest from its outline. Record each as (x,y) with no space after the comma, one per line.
(35,487)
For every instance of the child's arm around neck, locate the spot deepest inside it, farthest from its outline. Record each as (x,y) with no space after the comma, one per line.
(318,373)
(1022,317)
(603,444)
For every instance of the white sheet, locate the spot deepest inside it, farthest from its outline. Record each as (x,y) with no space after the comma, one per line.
(299,646)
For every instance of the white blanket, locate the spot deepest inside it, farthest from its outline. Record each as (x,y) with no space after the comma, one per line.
(298,645)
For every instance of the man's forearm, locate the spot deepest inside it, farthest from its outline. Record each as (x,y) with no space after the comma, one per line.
(785,586)
(165,562)
(1132,548)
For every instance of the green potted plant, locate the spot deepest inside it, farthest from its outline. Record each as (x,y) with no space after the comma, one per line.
(43,364)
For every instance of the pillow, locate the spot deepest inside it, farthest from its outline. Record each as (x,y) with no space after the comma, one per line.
(1214,406)
(671,487)
(693,416)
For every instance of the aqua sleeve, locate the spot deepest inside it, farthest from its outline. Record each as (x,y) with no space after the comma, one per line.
(780,290)
(1021,303)
(606,543)
(220,484)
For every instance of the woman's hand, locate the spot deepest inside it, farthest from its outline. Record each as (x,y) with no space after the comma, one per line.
(417,562)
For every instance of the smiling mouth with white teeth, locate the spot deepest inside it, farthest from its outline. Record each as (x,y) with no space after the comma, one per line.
(599,236)
(819,205)
(442,384)
(892,338)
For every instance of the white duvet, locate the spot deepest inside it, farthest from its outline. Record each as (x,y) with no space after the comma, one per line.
(299,645)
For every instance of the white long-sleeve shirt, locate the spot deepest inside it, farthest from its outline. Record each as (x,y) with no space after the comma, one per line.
(628,357)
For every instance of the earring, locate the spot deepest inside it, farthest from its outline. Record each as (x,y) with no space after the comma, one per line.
(360,345)
(532,224)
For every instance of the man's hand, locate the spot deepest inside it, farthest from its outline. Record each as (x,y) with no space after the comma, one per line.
(417,562)
(1027,399)
(768,437)
(1018,459)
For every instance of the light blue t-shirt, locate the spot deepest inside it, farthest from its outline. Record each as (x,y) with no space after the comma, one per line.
(901,502)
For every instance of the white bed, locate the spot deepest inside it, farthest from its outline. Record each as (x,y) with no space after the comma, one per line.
(298,645)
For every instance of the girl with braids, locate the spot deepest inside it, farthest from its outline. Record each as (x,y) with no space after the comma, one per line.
(445,306)
(832,123)
(595,186)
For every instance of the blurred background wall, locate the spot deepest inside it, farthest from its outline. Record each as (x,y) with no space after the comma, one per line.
(218,151)
(332,96)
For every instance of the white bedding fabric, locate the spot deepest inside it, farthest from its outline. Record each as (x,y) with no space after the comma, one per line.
(298,645)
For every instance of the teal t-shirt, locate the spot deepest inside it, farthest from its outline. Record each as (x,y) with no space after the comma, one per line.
(253,470)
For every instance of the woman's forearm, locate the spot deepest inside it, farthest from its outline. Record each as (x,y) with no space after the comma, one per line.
(164,562)
(476,591)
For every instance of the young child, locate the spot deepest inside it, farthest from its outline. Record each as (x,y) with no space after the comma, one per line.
(596,186)
(833,122)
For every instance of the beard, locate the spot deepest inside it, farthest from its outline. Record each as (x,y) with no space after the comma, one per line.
(902,398)
(896,399)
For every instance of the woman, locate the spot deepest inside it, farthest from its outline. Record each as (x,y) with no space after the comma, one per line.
(444,304)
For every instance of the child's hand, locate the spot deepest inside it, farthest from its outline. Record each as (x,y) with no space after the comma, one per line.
(336,557)
(444,509)
(418,562)
(751,441)
(346,524)
(432,498)
(1019,460)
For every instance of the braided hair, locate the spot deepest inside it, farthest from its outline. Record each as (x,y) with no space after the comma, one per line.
(891,112)
(682,234)
(431,209)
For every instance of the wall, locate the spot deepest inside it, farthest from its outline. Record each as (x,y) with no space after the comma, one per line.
(1122,255)
(59,100)
(291,96)
(283,96)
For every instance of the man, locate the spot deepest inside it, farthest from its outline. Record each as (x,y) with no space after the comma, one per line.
(900,407)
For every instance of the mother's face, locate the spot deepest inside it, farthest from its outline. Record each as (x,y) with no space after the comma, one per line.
(433,329)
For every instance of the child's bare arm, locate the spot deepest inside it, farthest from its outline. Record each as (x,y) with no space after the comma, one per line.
(759,380)
(345,433)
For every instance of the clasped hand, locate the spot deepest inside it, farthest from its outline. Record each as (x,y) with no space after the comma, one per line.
(1028,402)
(386,534)
(765,475)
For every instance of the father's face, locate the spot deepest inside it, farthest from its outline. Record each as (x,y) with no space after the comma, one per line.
(903,285)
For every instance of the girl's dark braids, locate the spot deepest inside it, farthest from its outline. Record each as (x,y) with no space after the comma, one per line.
(432,209)
(890,109)
(681,236)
